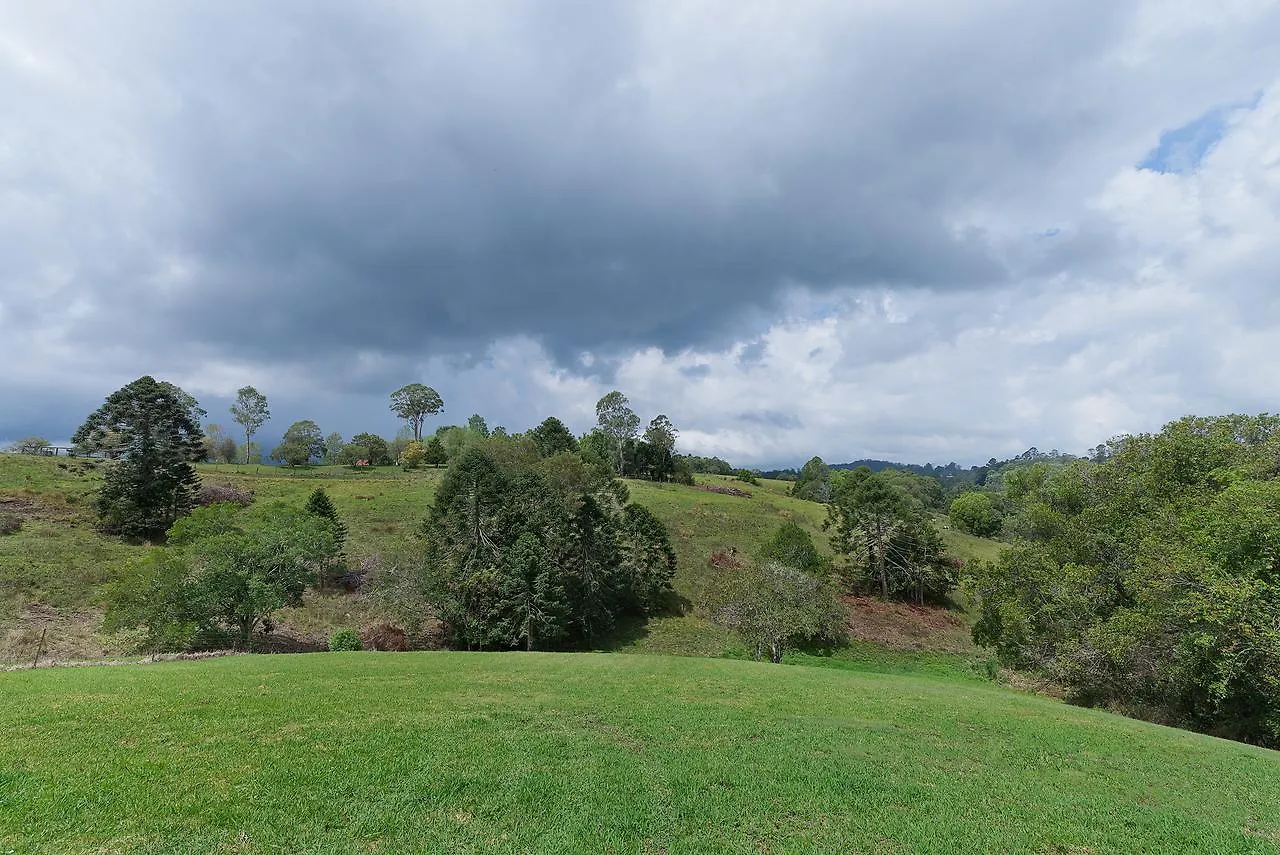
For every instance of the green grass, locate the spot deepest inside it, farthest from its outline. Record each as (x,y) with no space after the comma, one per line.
(60,560)
(338,753)
(382,508)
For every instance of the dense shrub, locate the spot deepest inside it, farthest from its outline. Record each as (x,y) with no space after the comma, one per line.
(975,513)
(345,639)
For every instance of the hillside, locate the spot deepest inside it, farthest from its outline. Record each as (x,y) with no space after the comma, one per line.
(52,571)
(429,752)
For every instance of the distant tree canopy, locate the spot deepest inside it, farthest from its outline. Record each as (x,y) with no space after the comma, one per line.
(552,437)
(813,482)
(975,513)
(414,403)
(154,429)
(31,445)
(1150,582)
(219,447)
(302,443)
(526,551)
(708,465)
(367,447)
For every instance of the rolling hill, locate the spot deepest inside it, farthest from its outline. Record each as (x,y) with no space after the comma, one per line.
(53,569)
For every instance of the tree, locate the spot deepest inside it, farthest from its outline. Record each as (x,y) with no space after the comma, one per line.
(552,437)
(321,505)
(477,425)
(647,557)
(220,575)
(618,422)
(1149,582)
(413,455)
(31,445)
(791,546)
(154,483)
(302,442)
(660,437)
(523,550)
(974,513)
(887,535)
(772,607)
(219,447)
(531,597)
(369,447)
(414,403)
(332,448)
(396,447)
(250,412)
(813,482)
(434,453)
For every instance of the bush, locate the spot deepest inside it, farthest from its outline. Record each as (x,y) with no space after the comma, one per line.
(9,524)
(975,513)
(213,494)
(345,639)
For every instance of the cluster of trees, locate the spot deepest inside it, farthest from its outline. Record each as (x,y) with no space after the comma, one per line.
(529,546)
(886,534)
(224,571)
(531,541)
(1149,581)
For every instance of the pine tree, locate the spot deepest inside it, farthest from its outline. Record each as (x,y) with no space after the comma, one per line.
(322,506)
(155,429)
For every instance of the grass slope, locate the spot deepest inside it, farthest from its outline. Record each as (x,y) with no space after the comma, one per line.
(60,562)
(336,753)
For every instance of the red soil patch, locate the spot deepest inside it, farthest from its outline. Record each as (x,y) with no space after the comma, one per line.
(906,626)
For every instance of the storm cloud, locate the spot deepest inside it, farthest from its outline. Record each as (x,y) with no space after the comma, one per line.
(889,228)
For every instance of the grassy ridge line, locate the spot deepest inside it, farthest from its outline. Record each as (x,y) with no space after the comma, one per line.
(60,560)
(590,753)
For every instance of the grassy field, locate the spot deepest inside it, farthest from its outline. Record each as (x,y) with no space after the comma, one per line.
(433,752)
(53,570)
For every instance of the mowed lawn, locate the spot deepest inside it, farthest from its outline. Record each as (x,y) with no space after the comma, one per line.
(565,753)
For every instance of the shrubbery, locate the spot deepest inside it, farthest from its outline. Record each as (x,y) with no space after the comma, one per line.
(345,640)
(10,524)
(1150,582)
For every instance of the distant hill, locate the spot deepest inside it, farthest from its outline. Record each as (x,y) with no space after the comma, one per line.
(951,470)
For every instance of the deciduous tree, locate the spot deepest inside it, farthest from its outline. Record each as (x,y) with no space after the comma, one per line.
(250,412)
(414,403)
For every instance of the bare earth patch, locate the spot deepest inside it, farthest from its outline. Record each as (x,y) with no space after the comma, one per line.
(905,626)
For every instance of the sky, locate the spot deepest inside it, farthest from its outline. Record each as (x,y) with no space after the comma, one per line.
(916,231)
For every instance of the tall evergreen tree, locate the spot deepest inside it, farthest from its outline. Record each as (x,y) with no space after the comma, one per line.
(156,430)
(321,505)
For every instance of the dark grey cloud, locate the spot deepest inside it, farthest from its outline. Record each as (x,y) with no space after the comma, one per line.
(345,195)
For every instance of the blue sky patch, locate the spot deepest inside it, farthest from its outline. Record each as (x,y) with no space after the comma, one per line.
(1182,149)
